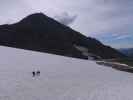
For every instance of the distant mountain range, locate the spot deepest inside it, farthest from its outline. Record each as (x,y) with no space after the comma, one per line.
(38,32)
(127,51)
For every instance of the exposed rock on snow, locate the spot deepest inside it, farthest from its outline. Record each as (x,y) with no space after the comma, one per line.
(116,65)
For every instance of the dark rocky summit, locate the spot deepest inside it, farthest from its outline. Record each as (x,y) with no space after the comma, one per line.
(38,32)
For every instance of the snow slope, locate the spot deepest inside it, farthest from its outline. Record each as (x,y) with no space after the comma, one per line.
(61,78)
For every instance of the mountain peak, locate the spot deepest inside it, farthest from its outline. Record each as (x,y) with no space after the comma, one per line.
(39,32)
(35,18)
(37,15)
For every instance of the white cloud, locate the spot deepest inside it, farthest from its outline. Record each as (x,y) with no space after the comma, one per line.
(123,37)
(65,18)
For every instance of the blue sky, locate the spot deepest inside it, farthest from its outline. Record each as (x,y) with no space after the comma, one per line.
(110,21)
(117,41)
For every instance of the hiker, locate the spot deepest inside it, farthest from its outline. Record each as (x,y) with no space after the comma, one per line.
(38,73)
(33,73)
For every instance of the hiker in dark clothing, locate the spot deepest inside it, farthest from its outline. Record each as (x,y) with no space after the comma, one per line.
(38,73)
(33,73)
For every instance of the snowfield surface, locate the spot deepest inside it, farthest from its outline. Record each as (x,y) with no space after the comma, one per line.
(61,78)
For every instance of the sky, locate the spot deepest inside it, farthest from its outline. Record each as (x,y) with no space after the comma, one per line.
(110,21)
